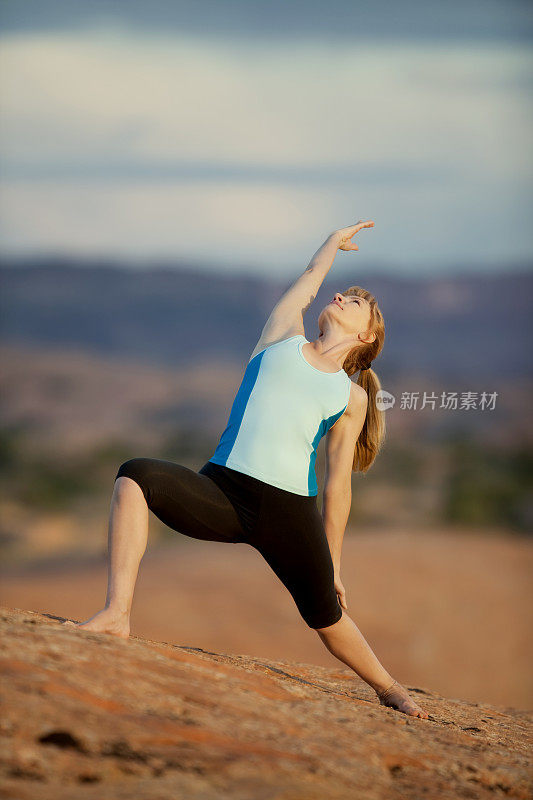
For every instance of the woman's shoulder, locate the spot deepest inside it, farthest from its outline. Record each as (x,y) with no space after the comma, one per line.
(358,397)
(268,341)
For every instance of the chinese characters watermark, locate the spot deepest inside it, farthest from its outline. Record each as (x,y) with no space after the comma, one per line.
(450,401)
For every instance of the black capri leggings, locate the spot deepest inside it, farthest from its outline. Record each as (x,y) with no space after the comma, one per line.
(223,505)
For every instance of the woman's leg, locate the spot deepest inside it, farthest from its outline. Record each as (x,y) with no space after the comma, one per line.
(345,641)
(127,538)
(186,501)
(291,537)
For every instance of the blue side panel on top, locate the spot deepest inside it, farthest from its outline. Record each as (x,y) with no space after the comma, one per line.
(227,440)
(323,428)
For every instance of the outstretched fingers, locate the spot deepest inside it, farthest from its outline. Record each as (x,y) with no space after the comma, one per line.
(350,231)
(359,226)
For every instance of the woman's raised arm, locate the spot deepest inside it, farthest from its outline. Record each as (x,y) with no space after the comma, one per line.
(287,315)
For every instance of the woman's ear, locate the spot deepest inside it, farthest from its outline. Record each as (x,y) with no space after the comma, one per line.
(366,338)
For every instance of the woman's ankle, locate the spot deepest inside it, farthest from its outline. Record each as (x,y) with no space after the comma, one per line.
(117,610)
(383,686)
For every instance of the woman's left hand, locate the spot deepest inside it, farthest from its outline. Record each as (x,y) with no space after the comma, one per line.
(345,234)
(341,592)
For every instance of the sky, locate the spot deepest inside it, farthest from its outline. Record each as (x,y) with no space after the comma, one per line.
(242,133)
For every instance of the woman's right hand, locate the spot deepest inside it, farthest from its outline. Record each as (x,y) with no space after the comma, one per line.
(341,591)
(345,234)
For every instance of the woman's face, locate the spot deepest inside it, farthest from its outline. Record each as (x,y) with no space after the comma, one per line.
(352,313)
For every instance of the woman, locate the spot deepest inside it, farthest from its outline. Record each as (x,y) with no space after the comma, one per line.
(259,487)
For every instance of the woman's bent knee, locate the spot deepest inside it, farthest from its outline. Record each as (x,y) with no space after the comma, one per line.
(133,468)
(328,626)
(324,618)
(137,469)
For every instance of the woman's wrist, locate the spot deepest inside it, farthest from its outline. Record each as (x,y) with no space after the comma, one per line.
(335,236)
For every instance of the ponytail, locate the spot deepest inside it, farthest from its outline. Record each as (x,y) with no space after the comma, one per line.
(371,438)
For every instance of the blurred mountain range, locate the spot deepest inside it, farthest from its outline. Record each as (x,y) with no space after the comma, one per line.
(101,363)
(460,327)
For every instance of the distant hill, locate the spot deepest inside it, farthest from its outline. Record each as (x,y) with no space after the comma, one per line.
(103,363)
(462,327)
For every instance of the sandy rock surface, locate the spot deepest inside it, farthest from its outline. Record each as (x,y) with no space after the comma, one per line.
(93,716)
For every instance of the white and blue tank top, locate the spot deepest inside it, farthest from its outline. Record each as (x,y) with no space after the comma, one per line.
(282,409)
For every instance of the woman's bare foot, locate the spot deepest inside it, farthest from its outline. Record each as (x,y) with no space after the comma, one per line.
(105,621)
(395,696)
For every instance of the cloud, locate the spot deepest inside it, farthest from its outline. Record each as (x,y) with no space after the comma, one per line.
(136,142)
(467,20)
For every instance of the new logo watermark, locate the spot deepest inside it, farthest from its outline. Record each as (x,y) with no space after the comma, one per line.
(450,401)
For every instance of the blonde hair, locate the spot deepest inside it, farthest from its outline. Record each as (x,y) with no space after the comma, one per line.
(372,435)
